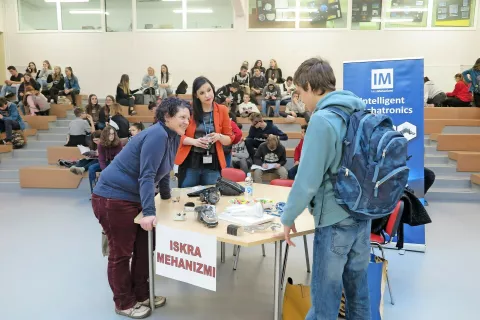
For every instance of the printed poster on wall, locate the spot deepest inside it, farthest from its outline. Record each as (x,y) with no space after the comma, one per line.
(408,9)
(395,88)
(453,13)
(186,256)
(366,10)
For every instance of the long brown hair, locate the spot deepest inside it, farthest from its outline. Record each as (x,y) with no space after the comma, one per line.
(104,138)
(57,76)
(476,66)
(116,109)
(29,90)
(90,106)
(48,63)
(125,83)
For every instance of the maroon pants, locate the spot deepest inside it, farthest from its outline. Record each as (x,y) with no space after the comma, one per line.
(129,284)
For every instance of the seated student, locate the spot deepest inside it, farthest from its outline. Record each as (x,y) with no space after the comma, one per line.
(27,81)
(165,87)
(125,95)
(135,128)
(150,82)
(287,88)
(42,75)
(109,147)
(274,72)
(9,119)
(36,101)
(229,95)
(72,87)
(296,156)
(271,152)
(295,108)
(460,96)
(120,120)
(93,108)
(79,128)
(472,77)
(258,64)
(11,86)
(246,107)
(271,97)
(257,83)
(432,94)
(259,131)
(90,162)
(104,114)
(243,79)
(227,150)
(58,84)
(240,158)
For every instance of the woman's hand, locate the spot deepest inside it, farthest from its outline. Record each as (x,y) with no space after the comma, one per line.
(66,91)
(147,223)
(201,143)
(214,137)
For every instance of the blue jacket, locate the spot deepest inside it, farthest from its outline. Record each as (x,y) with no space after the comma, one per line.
(72,83)
(146,160)
(14,115)
(474,81)
(322,151)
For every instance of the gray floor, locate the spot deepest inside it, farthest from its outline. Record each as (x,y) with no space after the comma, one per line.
(52,268)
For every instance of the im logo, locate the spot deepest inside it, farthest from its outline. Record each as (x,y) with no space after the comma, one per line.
(382,79)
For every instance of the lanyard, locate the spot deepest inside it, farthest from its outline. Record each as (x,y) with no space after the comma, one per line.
(211,120)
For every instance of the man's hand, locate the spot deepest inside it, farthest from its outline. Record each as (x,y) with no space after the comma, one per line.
(296,163)
(286,232)
(147,223)
(294,114)
(264,166)
(67,91)
(8,82)
(1,116)
(274,98)
(228,100)
(277,165)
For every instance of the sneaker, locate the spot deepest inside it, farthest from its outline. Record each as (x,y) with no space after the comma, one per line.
(73,169)
(159,302)
(9,95)
(133,112)
(137,312)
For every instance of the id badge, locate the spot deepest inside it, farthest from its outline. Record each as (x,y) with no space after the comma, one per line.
(207,159)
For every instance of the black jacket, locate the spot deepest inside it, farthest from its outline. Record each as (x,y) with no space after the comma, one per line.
(276,72)
(57,84)
(123,125)
(122,95)
(33,83)
(224,92)
(265,155)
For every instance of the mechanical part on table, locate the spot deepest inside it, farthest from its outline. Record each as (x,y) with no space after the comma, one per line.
(181,216)
(255,210)
(189,207)
(207,215)
(262,227)
(234,230)
(207,195)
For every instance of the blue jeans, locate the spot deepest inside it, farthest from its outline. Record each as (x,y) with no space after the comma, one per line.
(292,172)
(200,177)
(92,173)
(275,103)
(7,89)
(341,254)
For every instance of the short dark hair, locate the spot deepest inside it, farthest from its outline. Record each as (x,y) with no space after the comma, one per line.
(3,101)
(304,127)
(289,78)
(78,112)
(243,67)
(138,125)
(255,115)
(459,75)
(317,73)
(11,68)
(235,85)
(256,68)
(170,107)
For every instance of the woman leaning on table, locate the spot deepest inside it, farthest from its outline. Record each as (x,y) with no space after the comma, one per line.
(200,156)
(126,187)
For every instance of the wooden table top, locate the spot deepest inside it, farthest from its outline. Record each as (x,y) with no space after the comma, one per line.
(166,209)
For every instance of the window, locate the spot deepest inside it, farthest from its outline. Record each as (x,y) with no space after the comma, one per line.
(323,13)
(118,17)
(271,13)
(209,14)
(82,15)
(406,13)
(453,13)
(37,15)
(159,14)
(366,14)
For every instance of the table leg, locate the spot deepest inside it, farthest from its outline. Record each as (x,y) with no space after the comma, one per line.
(284,268)
(222,252)
(237,255)
(276,281)
(151,281)
(307,258)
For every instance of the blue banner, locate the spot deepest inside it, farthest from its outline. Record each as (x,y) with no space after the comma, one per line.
(395,88)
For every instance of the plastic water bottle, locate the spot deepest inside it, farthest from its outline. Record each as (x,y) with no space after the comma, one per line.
(249,187)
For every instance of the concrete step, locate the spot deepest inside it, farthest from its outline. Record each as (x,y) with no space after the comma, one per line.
(70,116)
(290,143)
(452,195)
(14,163)
(63,130)
(436,159)
(8,174)
(452,182)
(432,150)
(461,129)
(60,123)
(447,170)
(30,153)
(10,185)
(40,144)
(52,137)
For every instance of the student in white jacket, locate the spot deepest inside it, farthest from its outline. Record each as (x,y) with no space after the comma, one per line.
(432,95)
(165,85)
(288,88)
(247,107)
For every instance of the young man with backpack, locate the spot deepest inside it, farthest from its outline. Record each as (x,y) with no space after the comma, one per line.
(9,120)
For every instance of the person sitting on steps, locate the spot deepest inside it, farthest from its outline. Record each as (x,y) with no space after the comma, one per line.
(460,96)
(271,97)
(295,108)
(270,153)
(125,95)
(90,162)
(72,87)
(79,128)
(9,119)
(58,84)
(259,131)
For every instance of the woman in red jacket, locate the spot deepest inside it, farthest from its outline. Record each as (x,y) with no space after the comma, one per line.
(200,156)
(461,96)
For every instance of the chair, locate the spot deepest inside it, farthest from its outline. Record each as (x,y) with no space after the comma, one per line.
(377,241)
(282,182)
(236,175)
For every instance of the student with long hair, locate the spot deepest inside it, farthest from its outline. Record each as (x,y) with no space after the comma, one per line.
(460,96)
(126,188)
(27,81)
(116,115)
(36,101)
(125,95)
(258,64)
(274,73)
(150,82)
(104,114)
(58,84)
(109,147)
(200,156)
(72,87)
(90,160)
(32,69)
(165,89)
(135,128)
(93,108)
(472,76)
(42,76)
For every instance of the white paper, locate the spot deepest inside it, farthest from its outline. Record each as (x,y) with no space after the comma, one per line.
(83,149)
(269,166)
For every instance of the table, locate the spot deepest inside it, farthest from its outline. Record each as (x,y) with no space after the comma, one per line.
(167,208)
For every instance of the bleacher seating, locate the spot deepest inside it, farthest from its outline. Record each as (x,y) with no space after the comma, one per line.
(64,153)
(436,119)
(60,110)
(458,142)
(466,161)
(475,178)
(39,122)
(52,177)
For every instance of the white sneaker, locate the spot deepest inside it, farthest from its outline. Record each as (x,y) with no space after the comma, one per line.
(137,312)
(159,302)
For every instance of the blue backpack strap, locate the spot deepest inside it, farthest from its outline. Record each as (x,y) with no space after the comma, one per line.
(342,114)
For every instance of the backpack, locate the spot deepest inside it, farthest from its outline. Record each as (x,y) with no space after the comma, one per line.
(17,140)
(182,88)
(373,172)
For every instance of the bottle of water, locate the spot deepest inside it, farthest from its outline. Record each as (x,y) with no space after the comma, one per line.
(249,187)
